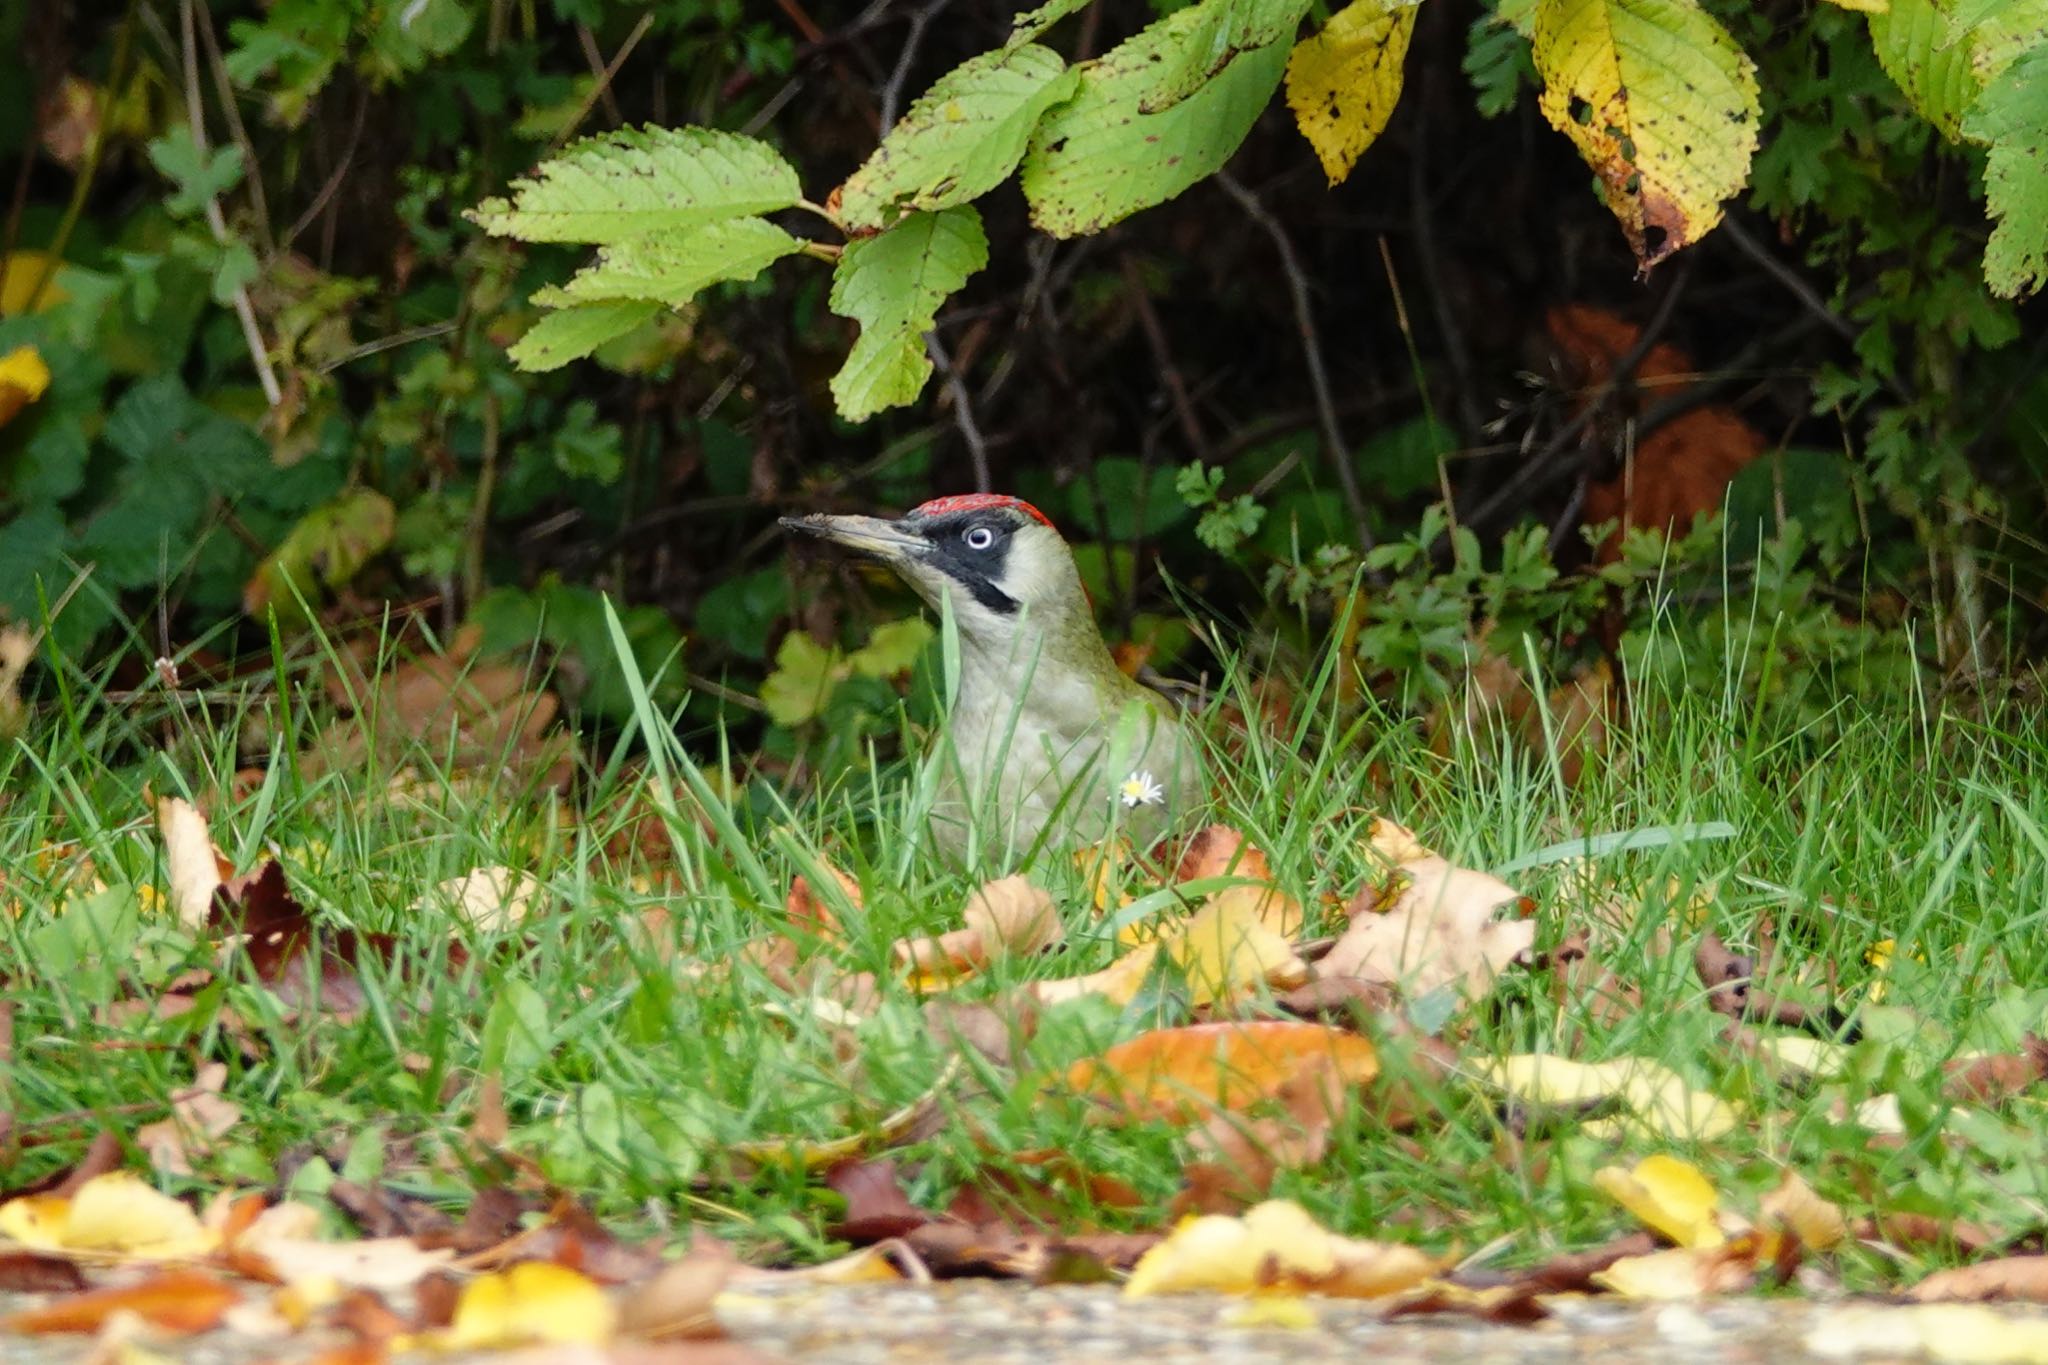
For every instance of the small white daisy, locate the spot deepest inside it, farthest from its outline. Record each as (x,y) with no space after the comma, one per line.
(1140,790)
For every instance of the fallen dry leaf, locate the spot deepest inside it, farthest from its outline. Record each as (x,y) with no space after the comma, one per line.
(199,1118)
(1237,1158)
(1794,1206)
(1684,1272)
(491,899)
(877,1209)
(194,866)
(32,1272)
(1006,917)
(1276,1247)
(115,1214)
(806,909)
(1654,1098)
(174,1300)
(1668,1195)
(534,1301)
(1187,1072)
(1221,851)
(2007,1279)
(1990,1078)
(1439,931)
(677,1301)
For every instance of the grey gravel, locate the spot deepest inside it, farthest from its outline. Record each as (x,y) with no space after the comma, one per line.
(986,1323)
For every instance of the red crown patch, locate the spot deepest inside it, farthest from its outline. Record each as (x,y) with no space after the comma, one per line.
(975,502)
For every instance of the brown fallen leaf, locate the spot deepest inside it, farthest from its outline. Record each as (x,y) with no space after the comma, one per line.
(1727,975)
(1006,917)
(200,1116)
(1186,1073)
(1512,1305)
(32,1272)
(2007,1279)
(1990,1079)
(991,1032)
(1338,999)
(807,910)
(1221,851)
(877,1209)
(381,1211)
(677,1301)
(1439,931)
(1236,1158)
(181,1301)
(1914,1230)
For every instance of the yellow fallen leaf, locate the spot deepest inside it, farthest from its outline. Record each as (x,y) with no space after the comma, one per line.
(1276,1247)
(491,898)
(1117,983)
(1657,1099)
(1804,1056)
(1940,1331)
(1226,952)
(1292,1315)
(1395,845)
(117,1214)
(1668,1195)
(532,1302)
(191,861)
(1683,1272)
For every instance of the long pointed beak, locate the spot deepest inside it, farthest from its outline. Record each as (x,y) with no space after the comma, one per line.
(883,540)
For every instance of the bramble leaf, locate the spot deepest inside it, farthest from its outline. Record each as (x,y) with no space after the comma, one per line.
(1344,82)
(961,140)
(1028,24)
(2012,116)
(1099,157)
(1911,40)
(670,267)
(892,285)
(1660,102)
(1220,32)
(633,182)
(572,333)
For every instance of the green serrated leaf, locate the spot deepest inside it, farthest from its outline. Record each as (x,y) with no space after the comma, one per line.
(670,267)
(1221,32)
(805,674)
(1028,24)
(327,548)
(2012,116)
(572,333)
(1912,45)
(892,285)
(961,139)
(632,182)
(1099,158)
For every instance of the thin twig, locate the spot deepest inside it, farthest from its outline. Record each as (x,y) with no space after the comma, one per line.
(259,351)
(604,82)
(333,181)
(963,411)
(1334,448)
(1784,274)
(1622,374)
(424,332)
(588,40)
(225,90)
(892,93)
(1162,356)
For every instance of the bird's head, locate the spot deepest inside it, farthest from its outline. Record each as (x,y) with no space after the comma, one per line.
(996,559)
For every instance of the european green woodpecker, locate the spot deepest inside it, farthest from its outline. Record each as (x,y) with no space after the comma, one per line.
(1047,738)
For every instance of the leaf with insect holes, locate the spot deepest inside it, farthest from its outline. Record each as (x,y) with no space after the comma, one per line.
(961,139)
(571,333)
(1660,102)
(671,266)
(1344,82)
(2012,117)
(632,182)
(1028,24)
(1219,32)
(1100,157)
(892,285)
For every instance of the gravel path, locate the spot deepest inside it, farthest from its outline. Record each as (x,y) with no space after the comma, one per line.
(985,1323)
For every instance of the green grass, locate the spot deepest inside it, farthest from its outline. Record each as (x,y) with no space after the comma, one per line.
(632,1065)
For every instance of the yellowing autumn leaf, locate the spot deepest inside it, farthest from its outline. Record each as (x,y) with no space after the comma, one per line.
(23,378)
(1683,1272)
(532,1302)
(1660,102)
(1668,1195)
(1657,1099)
(1193,1070)
(1225,950)
(1344,82)
(1276,1247)
(1118,982)
(116,1214)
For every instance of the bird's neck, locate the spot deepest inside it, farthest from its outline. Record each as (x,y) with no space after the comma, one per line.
(1049,672)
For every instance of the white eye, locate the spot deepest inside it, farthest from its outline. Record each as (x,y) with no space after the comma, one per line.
(979,537)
